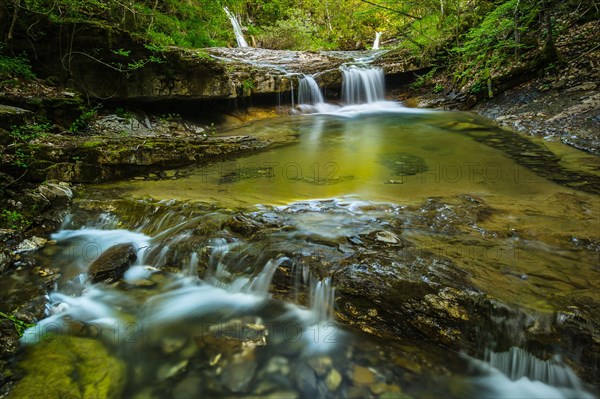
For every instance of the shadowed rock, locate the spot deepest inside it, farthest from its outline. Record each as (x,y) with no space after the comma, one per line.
(111,265)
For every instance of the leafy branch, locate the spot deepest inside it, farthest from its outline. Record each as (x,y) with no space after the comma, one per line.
(20,325)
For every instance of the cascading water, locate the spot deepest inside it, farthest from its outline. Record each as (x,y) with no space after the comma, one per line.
(362,85)
(237,29)
(519,374)
(517,364)
(322,296)
(376,41)
(309,92)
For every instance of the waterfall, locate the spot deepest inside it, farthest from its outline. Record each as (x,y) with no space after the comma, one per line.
(322,296)
(376,41)
(517,363)
(237,29)
(362,85)
(309,92)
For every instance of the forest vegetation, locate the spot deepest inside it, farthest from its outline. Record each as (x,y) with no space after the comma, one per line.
(472,35)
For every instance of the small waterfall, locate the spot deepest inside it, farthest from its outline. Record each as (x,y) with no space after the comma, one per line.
(237,29)
(376,41)
(517,363)
(309,92)
(192,268)
(322,296)
(262,282)
(362,85)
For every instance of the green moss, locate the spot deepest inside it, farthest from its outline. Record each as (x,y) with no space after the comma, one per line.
(70,367)
(91,143)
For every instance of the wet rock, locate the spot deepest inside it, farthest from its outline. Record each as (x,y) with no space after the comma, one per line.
(362,375)
(5,261)
(56,193)
(189,387)
(306,380)
(112,263)
(237,376)
(167,371)
(31,244)
(387,237)
(333,380)
(321,365)
(172,344)
(70,367)
(282,395)
(278,364)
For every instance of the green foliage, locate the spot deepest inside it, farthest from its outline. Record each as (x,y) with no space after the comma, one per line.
(423,80)
(122,52)
(13,220)
(294,33)
(495,43)
(14,67)
(170,117)
(81,123)
(28,132)
(248,84)
(20,325)
(21,159)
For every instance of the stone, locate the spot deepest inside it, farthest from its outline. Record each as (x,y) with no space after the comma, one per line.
(237,376)
(362,375)
(172,344)
(167,371)
(282,395)
(321,365)
(278,364)
(10,116)
(333,380)
(306,380)
(379,388)
(70,367)
(31,244)
(583,87)
(112,263)
(58,193)
(387,237)
(189,387)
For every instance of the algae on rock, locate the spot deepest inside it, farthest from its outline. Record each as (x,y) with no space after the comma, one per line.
(70,367)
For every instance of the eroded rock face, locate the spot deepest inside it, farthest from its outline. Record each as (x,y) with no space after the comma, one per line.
(111,265)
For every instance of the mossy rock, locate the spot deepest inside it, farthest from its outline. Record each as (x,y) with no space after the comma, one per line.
(70,367)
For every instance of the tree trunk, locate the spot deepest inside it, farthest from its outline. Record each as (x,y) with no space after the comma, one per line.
(549,50)
(11,30)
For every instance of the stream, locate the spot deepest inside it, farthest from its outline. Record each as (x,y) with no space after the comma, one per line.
(389,252)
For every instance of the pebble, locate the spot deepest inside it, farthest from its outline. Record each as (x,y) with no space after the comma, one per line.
(167,371)
(362,375)
(321,365)
(237,376)
(306,380)
(187,388)
(333,380)
(172,344)
(283,395)
(278,364)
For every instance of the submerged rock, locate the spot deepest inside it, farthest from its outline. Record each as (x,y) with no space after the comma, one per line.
(111,265)
(70,368)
